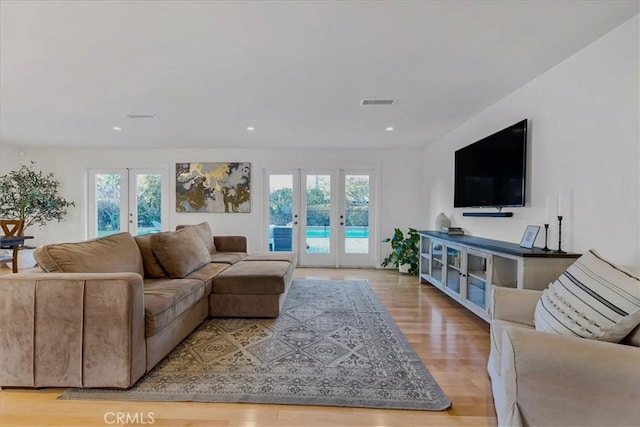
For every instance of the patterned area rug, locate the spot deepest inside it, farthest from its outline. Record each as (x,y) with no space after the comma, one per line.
(333,344)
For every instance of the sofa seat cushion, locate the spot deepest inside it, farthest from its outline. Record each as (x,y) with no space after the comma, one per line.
(273,256)
(116,253)
(497,326)
(228,257)
(206,274)
(166,299)
(592,299)
(180,252)
(253,278)
(152,267)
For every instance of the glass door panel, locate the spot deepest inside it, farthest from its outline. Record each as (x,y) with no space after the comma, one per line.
(318,213)
(318,232)
(356,219)
(108,213)
(437,262)
(454,272)
(477,279)
(146,217)
(281,212)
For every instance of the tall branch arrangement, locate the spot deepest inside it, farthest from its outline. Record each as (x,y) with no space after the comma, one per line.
(31,196)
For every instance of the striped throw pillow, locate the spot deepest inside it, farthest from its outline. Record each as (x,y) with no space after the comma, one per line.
(592,299)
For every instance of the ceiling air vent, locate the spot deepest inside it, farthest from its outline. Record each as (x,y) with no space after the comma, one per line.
(368,102)
(141,116)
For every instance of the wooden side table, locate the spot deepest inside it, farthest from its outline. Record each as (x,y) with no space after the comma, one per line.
(14,243)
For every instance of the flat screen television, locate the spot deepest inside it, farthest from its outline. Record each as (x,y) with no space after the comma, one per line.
(491,171)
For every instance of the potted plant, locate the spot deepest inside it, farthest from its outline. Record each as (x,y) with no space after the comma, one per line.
(405,251)
(33,197)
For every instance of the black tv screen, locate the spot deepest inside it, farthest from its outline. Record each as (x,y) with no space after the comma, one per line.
(491,171)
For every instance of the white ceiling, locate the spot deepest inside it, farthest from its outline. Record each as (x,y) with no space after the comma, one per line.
(296,71)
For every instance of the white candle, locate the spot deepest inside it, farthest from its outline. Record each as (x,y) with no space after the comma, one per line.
(546,211)
(559,202)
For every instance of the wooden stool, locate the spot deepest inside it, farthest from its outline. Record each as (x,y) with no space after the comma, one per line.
(11,227)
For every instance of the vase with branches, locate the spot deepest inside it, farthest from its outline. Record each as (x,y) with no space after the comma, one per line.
(31,196)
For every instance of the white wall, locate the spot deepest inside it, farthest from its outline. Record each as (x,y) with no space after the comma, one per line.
(584,130)
(400,178)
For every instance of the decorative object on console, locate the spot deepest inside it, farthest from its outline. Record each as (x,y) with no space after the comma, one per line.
(560,251)
(213,187)
(529,236)
(546,232)
(452,230)
(442,221)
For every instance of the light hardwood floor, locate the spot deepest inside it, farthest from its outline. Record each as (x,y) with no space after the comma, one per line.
(452,342)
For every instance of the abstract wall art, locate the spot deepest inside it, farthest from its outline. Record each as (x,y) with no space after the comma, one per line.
(213,187)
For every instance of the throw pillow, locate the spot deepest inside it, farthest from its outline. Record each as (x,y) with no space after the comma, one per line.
(204,232)
(180,252)
(592,299)
(110,254)
(152,267)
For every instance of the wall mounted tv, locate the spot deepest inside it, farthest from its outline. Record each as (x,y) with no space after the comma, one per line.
(491,171)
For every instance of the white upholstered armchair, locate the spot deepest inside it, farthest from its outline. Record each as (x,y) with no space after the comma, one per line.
(543,379)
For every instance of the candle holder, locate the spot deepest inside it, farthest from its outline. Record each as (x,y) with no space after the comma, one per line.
(560,251)
(546,232)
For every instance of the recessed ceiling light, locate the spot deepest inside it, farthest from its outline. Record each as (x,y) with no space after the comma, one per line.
(116,128)
(250,128)
(389,128)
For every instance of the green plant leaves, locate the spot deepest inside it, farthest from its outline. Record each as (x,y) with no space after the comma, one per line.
(31,196)
(405,250)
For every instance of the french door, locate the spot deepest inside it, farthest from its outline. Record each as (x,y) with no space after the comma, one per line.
(133,200)
(325,215)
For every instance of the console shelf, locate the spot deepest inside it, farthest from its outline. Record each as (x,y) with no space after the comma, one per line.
(465,267)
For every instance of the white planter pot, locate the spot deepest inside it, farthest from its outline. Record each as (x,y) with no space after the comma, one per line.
(25,259)
(404,268)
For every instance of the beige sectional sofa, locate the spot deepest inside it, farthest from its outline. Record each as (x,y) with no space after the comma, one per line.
(103,312)
(567,378)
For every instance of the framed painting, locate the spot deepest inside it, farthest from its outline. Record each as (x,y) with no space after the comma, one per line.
(213,187)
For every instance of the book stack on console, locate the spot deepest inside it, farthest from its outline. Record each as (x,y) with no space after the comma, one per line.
(452,230)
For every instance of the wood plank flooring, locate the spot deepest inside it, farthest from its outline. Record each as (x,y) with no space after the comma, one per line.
(452,342)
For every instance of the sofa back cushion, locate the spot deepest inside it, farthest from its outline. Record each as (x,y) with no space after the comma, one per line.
(152,267)
(180,252)
(204,232)
(593,298)
(116,253)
